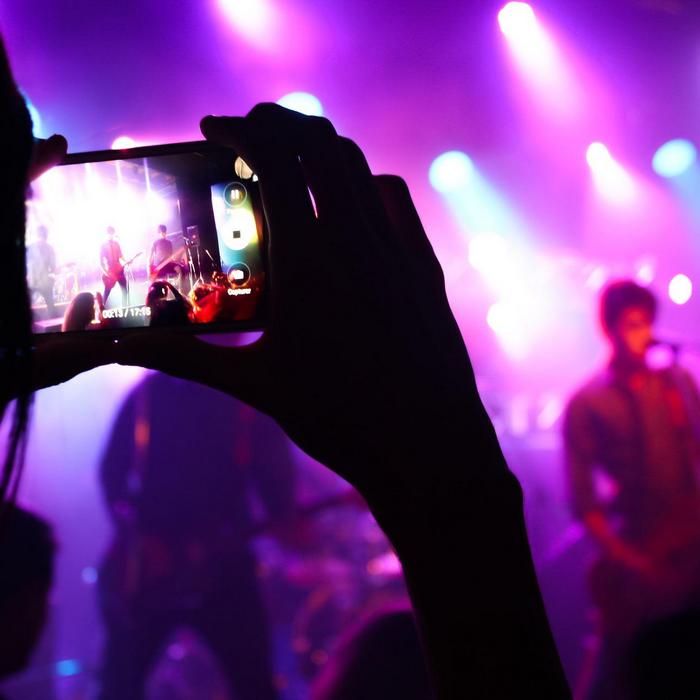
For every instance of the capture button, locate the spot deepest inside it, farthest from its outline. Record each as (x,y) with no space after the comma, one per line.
(238,274)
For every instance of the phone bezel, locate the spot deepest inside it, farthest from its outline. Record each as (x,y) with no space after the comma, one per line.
(243,326)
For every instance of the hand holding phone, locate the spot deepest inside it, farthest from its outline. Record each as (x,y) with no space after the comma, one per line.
(360,347)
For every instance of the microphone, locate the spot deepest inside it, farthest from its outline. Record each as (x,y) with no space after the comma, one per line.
(673,346)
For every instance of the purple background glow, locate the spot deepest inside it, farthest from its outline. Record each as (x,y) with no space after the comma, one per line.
(408,81)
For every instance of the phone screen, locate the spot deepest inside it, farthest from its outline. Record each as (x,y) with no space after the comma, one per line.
(160,236)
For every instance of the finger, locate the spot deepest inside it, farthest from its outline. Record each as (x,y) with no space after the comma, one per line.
(46,154)
(404,218)
(272,158)
(370,204)
(239,372)
(283,188)
(325,167)
(315,141)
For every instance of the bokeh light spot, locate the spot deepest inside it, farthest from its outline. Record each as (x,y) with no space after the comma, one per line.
(674,158)
(303,102)
(123,142)
(68,667)
(252,18)
(680,289)
(517,19)
(451,171)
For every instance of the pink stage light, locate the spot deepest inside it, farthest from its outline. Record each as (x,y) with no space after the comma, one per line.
(539,60)
(680,289)
(610,178)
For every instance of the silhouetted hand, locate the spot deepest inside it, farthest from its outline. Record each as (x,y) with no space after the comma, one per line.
(362,364)
(361,358)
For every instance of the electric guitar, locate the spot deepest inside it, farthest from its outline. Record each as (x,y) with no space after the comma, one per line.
(154,271)
(116,274)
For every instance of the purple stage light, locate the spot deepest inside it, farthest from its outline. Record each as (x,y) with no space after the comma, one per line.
(680,289)
(254,20)
(517,19)
(540,61)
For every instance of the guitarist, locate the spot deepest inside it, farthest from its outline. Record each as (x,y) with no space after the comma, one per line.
(112,263)
(178,474)
(161,252)
(636,427)
(162,261)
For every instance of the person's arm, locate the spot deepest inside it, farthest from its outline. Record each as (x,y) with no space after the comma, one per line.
(366,370)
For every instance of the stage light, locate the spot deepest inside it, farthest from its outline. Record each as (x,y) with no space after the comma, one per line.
(517,19)
(611,179)
(507,322)
(451,171)
(680,289)
(252,18)
(89,575)
(303,102)
(123,142)
(674,158)
(598,155)
(68,667)
(597,278)
(551,411)
(487,252)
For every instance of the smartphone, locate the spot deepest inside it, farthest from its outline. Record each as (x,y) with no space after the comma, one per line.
(171,235)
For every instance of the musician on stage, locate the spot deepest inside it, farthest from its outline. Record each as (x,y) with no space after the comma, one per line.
(161,253)
(635,429)
(41,268)
(181,554)
(112,263)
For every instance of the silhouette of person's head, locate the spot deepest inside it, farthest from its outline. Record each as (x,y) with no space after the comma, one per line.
(627,312)
(80,312)
(26,571)
(381,658)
